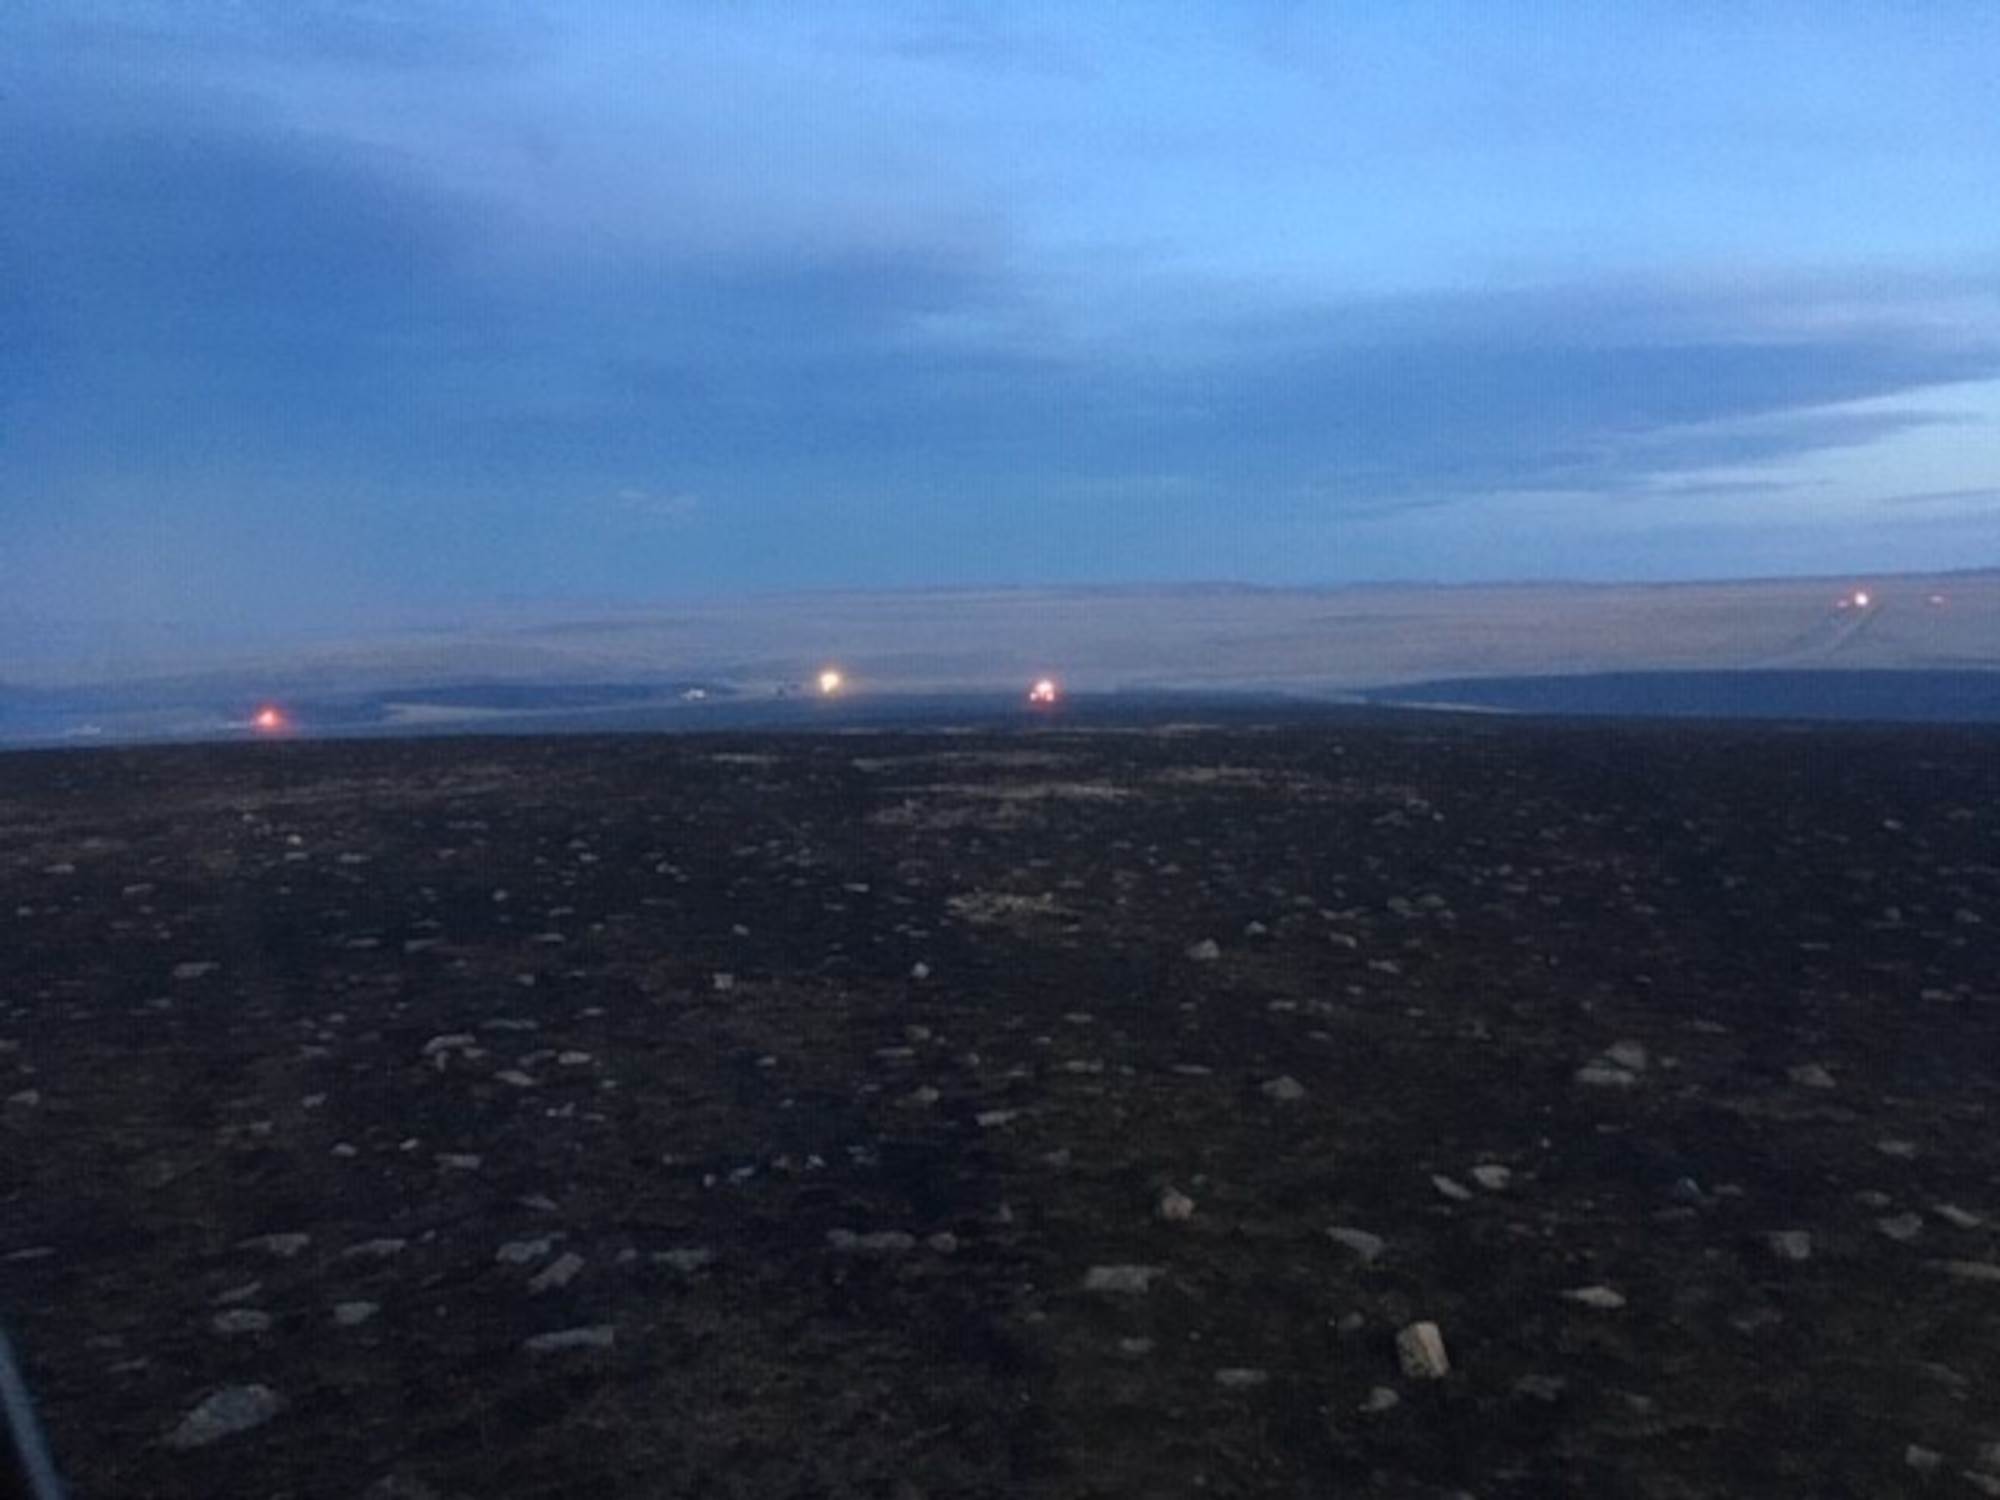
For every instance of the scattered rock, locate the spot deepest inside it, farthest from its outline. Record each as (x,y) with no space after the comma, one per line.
(597,1336)
(386,1248)
(1629,1055)
(237,1321)
(1241,1378)
(1604,1075)
(1811,1076)
(1173,1207)
(1368,1246)
(1421,1353)
(1901,1228)
(1790,1244)
(1381,1399)
(224,1413)
(1284,1090)
(557,1274)
(196,969)
(1207,951)
(878,1242)
(1493,1177)
(1450,1188)
(1122,1280)
(284,1246)
(1923,1460)
(354,1314)
(1600,1297)
(1957,1217)
(523,1252)
(686,1259)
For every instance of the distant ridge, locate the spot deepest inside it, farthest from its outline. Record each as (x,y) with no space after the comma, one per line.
(1326,643)
(1914,696)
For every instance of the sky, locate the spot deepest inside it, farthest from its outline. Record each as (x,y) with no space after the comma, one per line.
(328,316)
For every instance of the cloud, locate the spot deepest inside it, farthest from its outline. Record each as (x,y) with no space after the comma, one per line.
(238,289)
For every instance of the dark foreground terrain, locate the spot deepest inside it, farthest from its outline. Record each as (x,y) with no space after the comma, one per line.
(1060,1112)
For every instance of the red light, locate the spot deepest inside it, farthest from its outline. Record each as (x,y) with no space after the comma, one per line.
(1044,692)
(270,720)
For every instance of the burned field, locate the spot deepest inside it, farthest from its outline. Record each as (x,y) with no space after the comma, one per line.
(1046,1113)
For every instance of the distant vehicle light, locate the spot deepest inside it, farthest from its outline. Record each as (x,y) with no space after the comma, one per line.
(270,720)
(831,682)
(1044,692)
(1937,601)
(1861,598)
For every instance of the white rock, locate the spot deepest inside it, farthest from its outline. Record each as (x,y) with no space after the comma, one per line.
(877,1242)
(1603,1075)
(522,1252)
(1421,1353)
(198,969)
(1957,1217)
(1790,1244)
(558,1273)
(686,1259)
(1241,1378)
(1901,1227)
(1628,1055)
(240,1320)
(1457,1192)
(459,1161)
(1284,1090)
(450,1041)
(284,1246)
(1207,951)
(1174,1206)
(597,1336)
(1493,1177)
(1381,1399)
(1600,1297)
(1970,1270)
(1368,1246)
(224,1413)
(1121,1280)
(1811,1076)
(386,1248)
(354,1314)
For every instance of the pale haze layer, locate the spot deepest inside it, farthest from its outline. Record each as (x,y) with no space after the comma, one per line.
(323,317)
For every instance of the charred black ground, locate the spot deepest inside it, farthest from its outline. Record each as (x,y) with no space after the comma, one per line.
(800,1083)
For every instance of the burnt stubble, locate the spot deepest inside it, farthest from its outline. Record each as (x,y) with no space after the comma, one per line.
(802,1082)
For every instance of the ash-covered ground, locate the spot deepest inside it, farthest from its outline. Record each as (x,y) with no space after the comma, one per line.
(1057,1112)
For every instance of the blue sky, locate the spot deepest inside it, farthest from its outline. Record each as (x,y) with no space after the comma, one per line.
(317,316)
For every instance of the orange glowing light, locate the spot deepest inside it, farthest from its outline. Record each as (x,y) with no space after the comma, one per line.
(269,720)
(1044,691)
